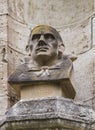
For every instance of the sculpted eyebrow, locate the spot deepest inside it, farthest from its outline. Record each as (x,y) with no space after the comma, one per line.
(36,36)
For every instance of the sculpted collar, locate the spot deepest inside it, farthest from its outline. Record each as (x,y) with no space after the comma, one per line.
(44,70)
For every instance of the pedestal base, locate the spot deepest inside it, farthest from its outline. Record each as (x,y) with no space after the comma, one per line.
(49,114)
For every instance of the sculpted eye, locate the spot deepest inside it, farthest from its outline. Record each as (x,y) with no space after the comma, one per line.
(49,37)
(36,37)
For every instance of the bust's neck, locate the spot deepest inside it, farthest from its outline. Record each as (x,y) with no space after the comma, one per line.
(49,63)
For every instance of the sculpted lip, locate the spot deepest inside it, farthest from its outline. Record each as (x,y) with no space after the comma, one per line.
(42,48)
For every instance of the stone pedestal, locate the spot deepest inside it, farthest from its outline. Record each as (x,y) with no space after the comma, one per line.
(47,89)
(49,114)
(41,90)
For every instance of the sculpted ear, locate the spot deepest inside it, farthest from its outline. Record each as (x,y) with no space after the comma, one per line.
(27,48)
(61,47)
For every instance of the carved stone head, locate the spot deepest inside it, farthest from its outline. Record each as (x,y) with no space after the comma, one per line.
(45,45)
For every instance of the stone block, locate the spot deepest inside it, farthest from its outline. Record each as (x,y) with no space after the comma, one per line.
(93,31)
(3,20)
(83,77)
(16,9)
(3,87)
(39,12)
(77,39)
(15,58)
(49,114)
(18,33)
(3,33)
(3,104)
(3,7)
(3,60)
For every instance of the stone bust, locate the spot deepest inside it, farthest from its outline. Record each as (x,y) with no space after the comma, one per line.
(46,62)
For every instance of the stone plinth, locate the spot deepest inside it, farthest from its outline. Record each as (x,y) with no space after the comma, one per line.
(38,89)
(41,90)
(47,89)
(49,114)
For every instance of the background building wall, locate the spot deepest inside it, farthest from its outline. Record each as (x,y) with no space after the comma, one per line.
(72,18)
(3,52)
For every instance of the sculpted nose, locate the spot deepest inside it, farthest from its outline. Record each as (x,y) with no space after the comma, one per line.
(41,41)
(42,38)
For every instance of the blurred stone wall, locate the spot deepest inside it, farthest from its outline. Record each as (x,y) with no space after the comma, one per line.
(74,19)
(3,55)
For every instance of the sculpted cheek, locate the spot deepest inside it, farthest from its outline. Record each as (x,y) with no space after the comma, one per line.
(55,45)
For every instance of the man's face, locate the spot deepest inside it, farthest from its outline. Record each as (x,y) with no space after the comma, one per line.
(44,46)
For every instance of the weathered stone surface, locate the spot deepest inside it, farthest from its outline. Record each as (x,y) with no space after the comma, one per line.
(3,28)
(3,7)
(18,37)
(17,9)
(93,31)
(3,104)
(3,79)
(18,34)
(3,33)
(3,20)
(84,77)
(40,12)
(78,39)
(3,58)
(49,113)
